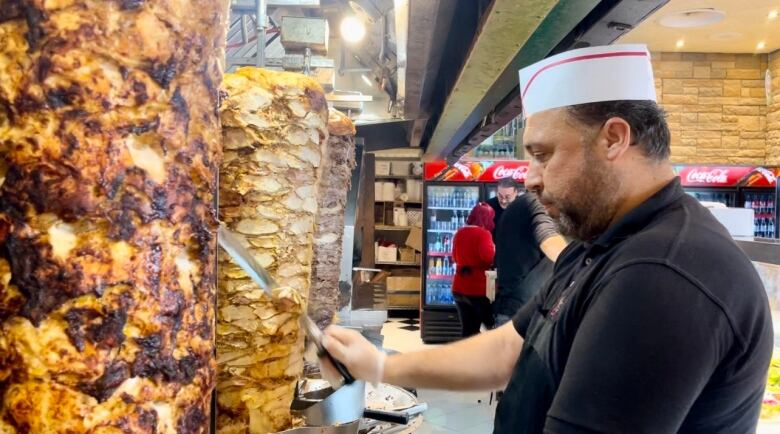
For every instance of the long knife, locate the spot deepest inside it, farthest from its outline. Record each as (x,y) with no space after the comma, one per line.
(232,243)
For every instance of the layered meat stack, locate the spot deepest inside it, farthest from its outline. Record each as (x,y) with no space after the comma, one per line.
(338,163)
(275,129)
(110,142)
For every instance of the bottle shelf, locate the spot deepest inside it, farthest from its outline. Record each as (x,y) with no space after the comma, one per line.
(439,277)
(450,208)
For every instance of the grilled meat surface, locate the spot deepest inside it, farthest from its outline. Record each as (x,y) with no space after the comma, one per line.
(275,127)
(110,142)
(337,166)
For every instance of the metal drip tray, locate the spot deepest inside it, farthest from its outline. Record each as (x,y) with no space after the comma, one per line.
(343,411)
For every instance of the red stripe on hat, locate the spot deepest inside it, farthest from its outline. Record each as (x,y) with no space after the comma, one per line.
(584,57)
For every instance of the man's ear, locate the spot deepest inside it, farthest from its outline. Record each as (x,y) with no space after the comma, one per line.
(616,137)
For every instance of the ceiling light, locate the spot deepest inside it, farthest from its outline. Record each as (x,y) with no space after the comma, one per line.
(680,43)
(366,80)
(773,14)
(760,45)
(352,29)
(692,18)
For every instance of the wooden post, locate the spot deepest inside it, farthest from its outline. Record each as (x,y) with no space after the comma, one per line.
(364,218)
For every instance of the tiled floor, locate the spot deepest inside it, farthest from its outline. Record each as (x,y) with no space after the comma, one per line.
(448,412)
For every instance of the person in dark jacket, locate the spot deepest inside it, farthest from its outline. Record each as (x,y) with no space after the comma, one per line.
(507,191)
(527,245)
(473,252)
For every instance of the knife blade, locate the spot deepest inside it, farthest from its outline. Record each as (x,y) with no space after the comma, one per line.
(233,245)
(231,242)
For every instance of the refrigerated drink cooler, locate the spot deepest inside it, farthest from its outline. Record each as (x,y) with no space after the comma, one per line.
(737,186)
(450,194)
(446,210)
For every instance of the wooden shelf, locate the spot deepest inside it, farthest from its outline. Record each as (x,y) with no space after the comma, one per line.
(392,228)
(400,264)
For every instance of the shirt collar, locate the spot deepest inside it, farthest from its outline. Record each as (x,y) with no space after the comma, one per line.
(639,217)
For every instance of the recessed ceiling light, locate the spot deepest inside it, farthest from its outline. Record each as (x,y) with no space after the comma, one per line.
(773,14)
(693,18)
(760,45)
(680,43)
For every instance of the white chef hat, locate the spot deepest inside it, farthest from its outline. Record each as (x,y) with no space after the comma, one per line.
(595,74)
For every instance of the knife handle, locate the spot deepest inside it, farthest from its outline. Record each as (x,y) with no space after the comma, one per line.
(397,417)
(348,378)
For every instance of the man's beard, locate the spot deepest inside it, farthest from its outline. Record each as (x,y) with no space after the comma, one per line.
(590,203)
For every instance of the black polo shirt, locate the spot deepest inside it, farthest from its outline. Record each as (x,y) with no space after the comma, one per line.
(661,325)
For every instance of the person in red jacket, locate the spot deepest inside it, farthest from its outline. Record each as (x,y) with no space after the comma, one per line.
(473,252)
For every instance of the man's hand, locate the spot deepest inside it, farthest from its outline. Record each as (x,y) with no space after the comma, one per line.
(362,359)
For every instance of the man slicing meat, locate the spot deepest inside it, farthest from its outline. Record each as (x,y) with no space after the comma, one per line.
(654,320)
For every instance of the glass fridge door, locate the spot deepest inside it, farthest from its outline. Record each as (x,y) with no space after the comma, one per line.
(448,208)
(762,202)
(711,195)
(490,191)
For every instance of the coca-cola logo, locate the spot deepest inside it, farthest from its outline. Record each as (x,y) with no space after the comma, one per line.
(713,176)
(516,173)
(464,170)
(767,174)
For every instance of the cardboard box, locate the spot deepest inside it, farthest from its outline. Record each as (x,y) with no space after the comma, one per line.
(387,254)
(403,300)
(400,168)
(414,240)
(406,254)
(382,168)
(403,283)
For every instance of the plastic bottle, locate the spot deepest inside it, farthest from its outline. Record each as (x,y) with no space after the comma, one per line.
(446,270)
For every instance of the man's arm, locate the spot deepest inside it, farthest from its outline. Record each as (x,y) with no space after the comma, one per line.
(551,243)
(552,246)
(482,362)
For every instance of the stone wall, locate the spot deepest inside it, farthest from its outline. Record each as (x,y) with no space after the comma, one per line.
(773,115)
(716,106)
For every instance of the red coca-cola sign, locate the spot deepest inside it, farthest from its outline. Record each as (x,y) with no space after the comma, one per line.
(501,171)
(727,176)
(477,171)
(707,176)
